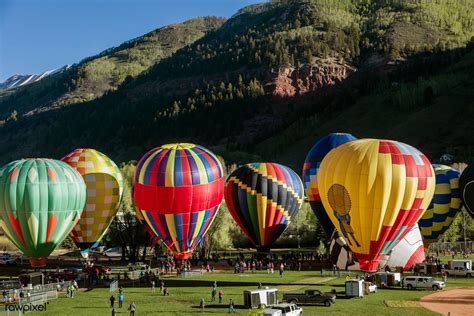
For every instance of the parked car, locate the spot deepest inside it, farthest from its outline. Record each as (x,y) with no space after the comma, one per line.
(102,269)
(372,288)
(283,310)
(311,297)
(7,260)
(66,274)
(423,282)
(137,266)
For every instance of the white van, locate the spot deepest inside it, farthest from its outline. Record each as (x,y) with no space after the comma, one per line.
(422,282)
(257,297)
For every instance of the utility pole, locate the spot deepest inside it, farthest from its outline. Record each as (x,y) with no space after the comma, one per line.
(464,228)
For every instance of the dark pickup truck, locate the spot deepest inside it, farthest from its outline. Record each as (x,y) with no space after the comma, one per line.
(311,297)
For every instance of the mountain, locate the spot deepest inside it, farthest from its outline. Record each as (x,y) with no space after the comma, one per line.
(16,81)
(96,75)
(273,79)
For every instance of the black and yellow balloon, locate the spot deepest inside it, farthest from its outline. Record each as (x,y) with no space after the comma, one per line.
(444,207)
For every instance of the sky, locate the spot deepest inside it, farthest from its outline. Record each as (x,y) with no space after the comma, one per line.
(40,35)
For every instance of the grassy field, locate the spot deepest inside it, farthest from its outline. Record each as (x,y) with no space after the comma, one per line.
(185,295)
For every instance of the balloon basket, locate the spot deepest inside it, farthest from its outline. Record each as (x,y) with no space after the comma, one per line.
(182,256)
(38,262)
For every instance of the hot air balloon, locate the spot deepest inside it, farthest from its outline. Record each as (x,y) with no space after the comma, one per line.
(40,202)
(374,191)
(179,188)
(310,173)
(262,198)
(466,185)
(444,207)
(104,184)
(408,252)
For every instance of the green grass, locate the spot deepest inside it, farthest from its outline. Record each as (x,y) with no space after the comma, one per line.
(186,293)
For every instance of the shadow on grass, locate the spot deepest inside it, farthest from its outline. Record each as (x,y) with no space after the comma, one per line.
(222,306)
(208,283)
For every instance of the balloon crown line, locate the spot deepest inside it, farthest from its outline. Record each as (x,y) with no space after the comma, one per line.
(178,146)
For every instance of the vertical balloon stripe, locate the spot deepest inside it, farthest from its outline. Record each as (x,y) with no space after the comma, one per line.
(162,169)
(209,166)
(170,169)
(142,163)
(201,169)
(151,171)
(186,169)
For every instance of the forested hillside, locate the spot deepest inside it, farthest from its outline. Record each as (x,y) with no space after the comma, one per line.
(270,81)
(96,75)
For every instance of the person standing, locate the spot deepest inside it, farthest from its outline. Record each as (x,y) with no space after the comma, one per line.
(282,269)
(213,294)
(112,300)
(221,295)
(162,287)
(132,308)
(231,306)
(153,286)
(120,299)
(114,312)
(202,304)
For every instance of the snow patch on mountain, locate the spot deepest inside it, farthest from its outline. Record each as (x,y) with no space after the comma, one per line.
(16,81)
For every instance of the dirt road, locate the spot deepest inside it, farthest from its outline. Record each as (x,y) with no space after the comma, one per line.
(458,302)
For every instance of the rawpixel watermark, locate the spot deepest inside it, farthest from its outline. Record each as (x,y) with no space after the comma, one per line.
(27,307)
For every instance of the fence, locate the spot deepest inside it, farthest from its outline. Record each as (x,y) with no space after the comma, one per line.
(449,247)
(136,274)
(113,286)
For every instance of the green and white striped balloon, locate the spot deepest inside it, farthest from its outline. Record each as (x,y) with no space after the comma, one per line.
(40,202)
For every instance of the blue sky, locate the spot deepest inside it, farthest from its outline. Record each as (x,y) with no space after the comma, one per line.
(38,35)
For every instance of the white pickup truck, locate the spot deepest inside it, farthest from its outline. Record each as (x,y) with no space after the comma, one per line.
(459,268)
(285,309)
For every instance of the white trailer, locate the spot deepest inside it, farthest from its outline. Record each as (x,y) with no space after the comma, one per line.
(355,288)
(257,297)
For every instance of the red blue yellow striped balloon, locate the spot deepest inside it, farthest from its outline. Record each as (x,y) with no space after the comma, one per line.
(179,188)
(262,198)
(310,175)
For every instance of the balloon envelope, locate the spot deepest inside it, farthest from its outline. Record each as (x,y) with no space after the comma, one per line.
(374,191)
(408,252)
(310,175)
(104,184)
(466,185)
(179,188)
(262,198)
(40,202)
(444,206)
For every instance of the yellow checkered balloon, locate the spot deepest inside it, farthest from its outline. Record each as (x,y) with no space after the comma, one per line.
(104,184)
